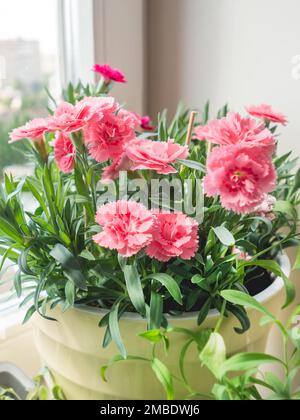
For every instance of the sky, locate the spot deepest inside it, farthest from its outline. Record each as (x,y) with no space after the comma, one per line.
(30,19)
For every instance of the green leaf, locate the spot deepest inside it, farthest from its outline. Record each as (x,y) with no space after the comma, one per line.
(246,361)
(154,336)
(18,283)
(182,359)
(242,299)
(213,356)
(201,282)
(285,207)
(275,268)
(241,314)
(297,182)
(204,311)
(297,261)
(29,314)
(70,292)
(224,236)
(156,310)
(87,255)
(70,265)
(58,393)
(116,359)
(192,165)
(134,288)
(17,190)
(22,262)
(10,231)
(115,330)
(169,283)
(164,376)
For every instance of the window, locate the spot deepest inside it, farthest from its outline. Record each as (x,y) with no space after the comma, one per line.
(29,62)
(43,44)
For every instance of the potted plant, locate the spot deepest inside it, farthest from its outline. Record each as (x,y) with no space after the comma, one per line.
(143,230)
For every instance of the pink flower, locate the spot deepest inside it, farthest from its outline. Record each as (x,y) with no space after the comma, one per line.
(70,118)
(109,74)
(127,227)
(267,113)
(266,207)
(241,255)
(64,152)
(155,155)
(130,117)
(234,129)
(138,122)
(174,235)
(107,136)
(241,175)
(146,124)
(34,129)
(112,172)
(98,105)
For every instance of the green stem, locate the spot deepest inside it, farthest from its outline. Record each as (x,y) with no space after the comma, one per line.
(221,318)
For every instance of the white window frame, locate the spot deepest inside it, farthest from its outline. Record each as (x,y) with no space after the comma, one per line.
(76,40)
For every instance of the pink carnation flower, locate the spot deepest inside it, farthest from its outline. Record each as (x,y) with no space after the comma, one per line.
(127,227)
(235,129)
(98,105)
(112,171)
(266,207)
(155,155)
(174,235)
(107,136)
(146,123)
(64,152)
(138,123)
(130,117)
(34,129)
(70,118)
(109,74)
(267,113)
(241,175)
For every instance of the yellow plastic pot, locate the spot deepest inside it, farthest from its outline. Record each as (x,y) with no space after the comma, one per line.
(72,349)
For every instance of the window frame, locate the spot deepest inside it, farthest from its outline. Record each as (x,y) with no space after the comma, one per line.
(76,40)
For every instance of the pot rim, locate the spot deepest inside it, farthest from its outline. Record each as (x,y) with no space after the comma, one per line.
(261,297)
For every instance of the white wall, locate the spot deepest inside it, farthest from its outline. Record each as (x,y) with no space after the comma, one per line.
(236,51)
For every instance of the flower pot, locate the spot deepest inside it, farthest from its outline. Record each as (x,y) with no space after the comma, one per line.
(72,349)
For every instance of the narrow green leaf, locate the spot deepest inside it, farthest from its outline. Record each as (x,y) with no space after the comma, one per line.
(70,292)
(164,376)
(297,261)
(170,284)
(246,361)
(134,288)
(204,311)
(18,283)
(224,236)
(275,268)
(70,265)
(115,330)
(182,359)
(192,165)
(156,310)
(242,299)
